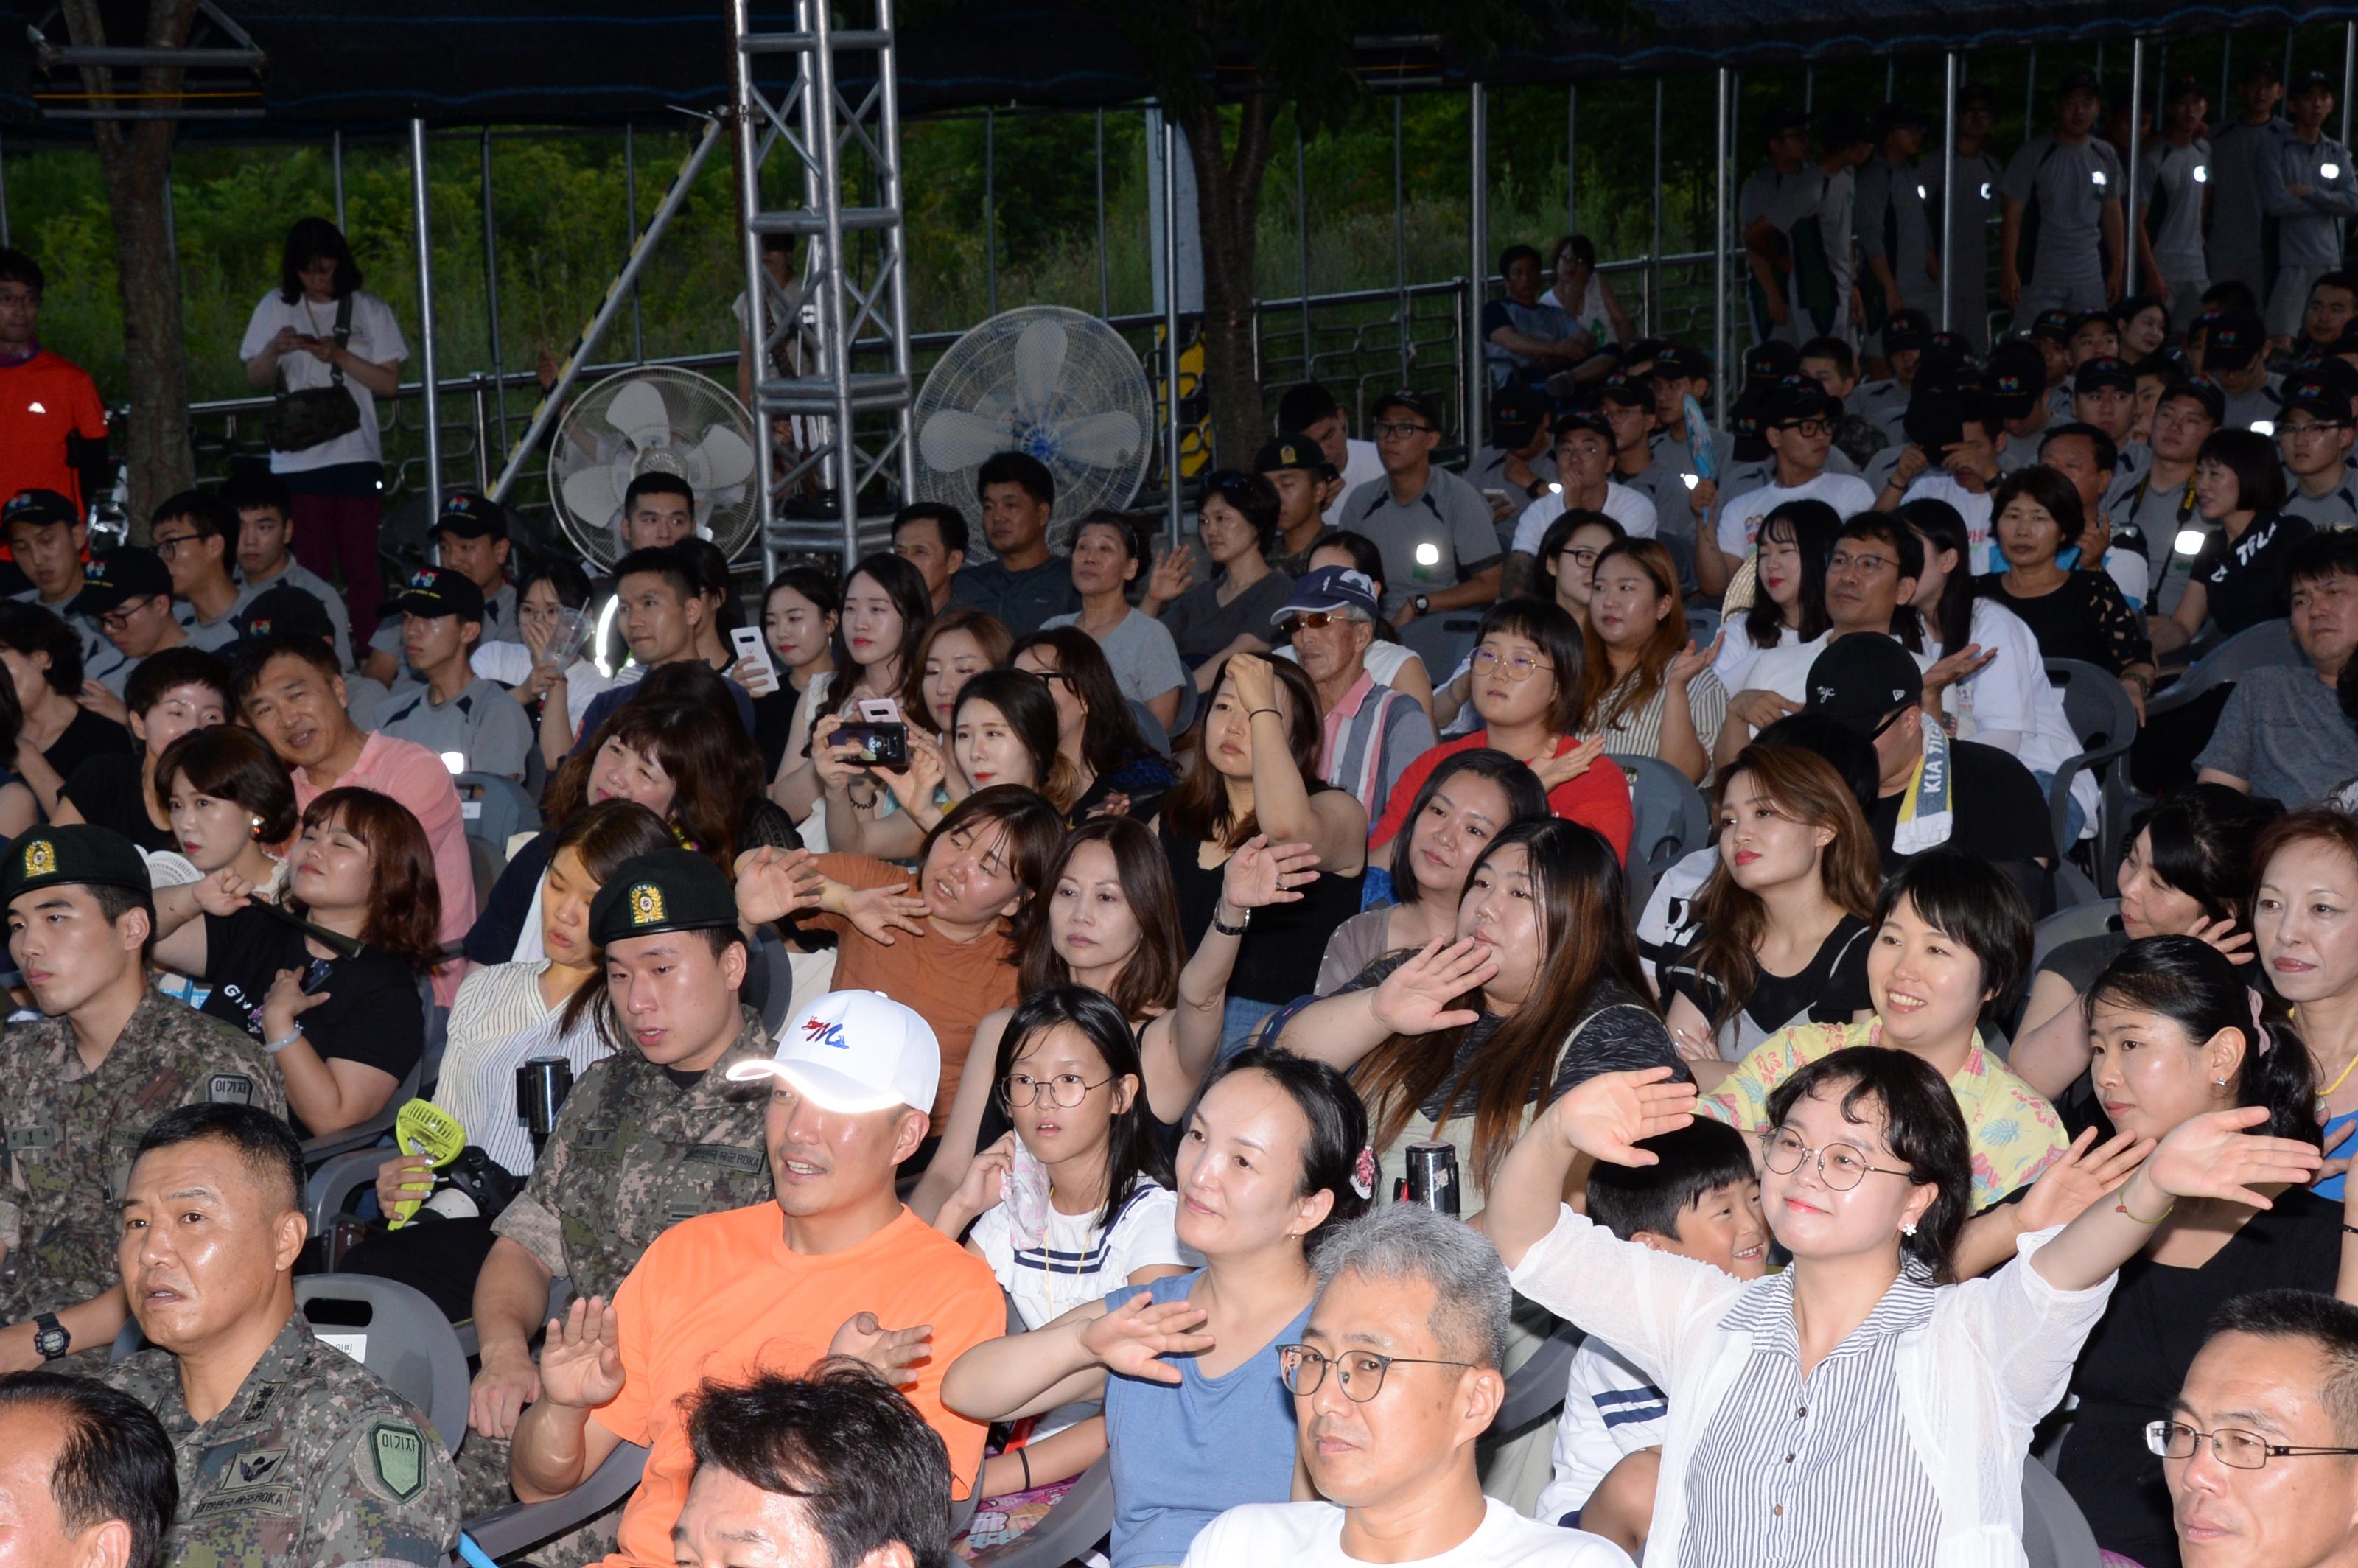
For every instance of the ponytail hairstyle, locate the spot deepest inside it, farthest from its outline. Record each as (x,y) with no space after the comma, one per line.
(1338,1127)
(2191,983)
(1134,1149)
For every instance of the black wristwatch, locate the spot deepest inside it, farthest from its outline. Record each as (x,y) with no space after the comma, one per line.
(1423,605)
(49,1337)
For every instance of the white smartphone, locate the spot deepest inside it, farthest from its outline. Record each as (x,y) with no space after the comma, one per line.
(880,711)
(747,641)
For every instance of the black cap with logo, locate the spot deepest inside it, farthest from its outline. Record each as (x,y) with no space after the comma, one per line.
(123,574)
(471,514)
(1861,680)
(667,890)
(441,590)
(81,854)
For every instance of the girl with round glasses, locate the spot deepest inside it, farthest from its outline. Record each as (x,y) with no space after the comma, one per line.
(1863,1405)
(1076,1202)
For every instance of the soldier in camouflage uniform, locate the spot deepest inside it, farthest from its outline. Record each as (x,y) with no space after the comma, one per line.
(79,1087)
(289,1451)
(635,1151)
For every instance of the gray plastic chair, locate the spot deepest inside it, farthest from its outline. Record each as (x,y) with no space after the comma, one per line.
(2105,720)
(495,808)
(1671,820)
(406,1342)
(1535,1390)
(2070,925)
(1072,1529)
(517,1528)
(317,1151)
(2255,647)
(2054,1532)
(1441,639)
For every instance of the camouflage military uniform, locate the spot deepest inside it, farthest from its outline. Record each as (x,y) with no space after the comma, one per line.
(632,1154)
(71,1130)
(315,1462)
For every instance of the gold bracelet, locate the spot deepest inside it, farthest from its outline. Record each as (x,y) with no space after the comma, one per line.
(2121,1206)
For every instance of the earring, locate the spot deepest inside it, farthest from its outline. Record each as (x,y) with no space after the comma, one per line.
(257,826)
(2220,1082)
(1907,1228)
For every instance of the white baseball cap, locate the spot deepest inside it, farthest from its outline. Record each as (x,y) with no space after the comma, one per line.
(853,1052)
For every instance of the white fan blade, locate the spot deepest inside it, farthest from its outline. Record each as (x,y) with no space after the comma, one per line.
(728,460)
(638,412)
(1039,361)
(952,439)
(1100,441)
(592,496)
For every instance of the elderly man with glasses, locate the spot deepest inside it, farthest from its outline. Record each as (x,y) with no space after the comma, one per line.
(1372,732)
(1396,1378)
(2260,1448)
(1440,548)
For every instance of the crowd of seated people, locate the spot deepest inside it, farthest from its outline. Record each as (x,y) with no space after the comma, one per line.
(998,1058)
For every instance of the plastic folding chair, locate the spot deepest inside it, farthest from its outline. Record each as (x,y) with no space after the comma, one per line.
(1535,1390)
(2105,720)
(318,1150)
(2255,647)
(405,1340)
(1071,1530)
(517,1528)
(495,808)
(2092,919)
(1441,639)
(1671,820)
(2055,1534)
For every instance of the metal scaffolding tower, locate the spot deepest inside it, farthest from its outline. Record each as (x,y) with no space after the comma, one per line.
(845,394)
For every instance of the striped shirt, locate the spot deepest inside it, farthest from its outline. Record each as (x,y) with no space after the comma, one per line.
(1372,734)
(498,1021)
(1638,732)
(1798,1469)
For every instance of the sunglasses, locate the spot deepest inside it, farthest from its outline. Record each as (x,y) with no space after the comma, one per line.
(1316,620)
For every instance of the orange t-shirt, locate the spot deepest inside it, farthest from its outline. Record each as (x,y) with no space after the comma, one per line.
(720,1296)
(41,402)
(952,985)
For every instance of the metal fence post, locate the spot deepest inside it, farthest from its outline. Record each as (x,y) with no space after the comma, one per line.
(1719,227)
(492,299)
(2348,63)
(336,159)
(431,365)
(1949,196)
(990,208)
(2129,205)
(1654,247)
(1172,476)
(631,236)
(1302,241)
(1477,236)
(1571,158)
(1105,271)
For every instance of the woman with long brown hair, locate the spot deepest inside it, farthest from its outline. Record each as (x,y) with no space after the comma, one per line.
(1646,690)
(345,1028)
(1246,779)
(1467,1041)
(1096,731)
(1781,933)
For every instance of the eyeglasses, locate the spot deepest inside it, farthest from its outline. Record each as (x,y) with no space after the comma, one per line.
(1066,1089)
(2306,432)
(1514,667)
(1582,556)
(1866,565)
(1304,1369)
(1391,431)
(169,548)
(1840,1166)
(1808,427)
(120,619)
(2234,1448)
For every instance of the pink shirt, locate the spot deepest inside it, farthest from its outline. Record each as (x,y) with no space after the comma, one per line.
(416,777)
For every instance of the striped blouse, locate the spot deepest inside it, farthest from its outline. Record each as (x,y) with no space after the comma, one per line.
(497,1022)
(1640,732)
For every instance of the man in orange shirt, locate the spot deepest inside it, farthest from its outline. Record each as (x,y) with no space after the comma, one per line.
(52,425)
(837,1267)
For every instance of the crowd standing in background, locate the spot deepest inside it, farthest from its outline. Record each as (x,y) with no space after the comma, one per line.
(1008,1076)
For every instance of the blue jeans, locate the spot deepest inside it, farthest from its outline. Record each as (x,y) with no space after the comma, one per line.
(1239,1020)
(2076,820)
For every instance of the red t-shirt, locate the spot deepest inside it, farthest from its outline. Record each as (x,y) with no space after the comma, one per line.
(41,402)
(1598,798)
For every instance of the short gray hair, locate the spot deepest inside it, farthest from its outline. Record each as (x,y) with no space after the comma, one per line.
(1404,1241)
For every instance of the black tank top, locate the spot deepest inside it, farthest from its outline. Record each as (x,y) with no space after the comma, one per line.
(1278,959)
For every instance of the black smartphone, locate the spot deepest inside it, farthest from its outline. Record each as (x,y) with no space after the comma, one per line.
(881,745)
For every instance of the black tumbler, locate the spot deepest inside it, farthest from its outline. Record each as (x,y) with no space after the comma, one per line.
(1432,1176)
(542,1084)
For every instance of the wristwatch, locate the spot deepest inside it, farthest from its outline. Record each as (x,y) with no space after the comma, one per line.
(1422,604)
(49,1337)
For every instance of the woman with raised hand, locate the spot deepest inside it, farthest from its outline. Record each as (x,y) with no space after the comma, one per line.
(1111,921)
(1247,780)
(1647,689)
(1781,924)
(1464,806)
(2187,873)
(2177,1036)
(1228,611)
(1003,731)
(1536,989)
(1197,1420)
(1863,1405)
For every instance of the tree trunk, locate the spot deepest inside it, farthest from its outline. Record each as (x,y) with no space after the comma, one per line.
(135,157)
(1227,208)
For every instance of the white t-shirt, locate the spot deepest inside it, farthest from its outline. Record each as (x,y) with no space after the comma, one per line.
(376,338)
(1623,504)
(2009,703)
(1934,484)
(1310,1535)
(1740,519)
(1610,1411)
(1360,464)
(1785,669)
(1739,654)
(1047,1276)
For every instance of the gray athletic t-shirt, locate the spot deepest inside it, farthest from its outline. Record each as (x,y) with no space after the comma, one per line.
(2069,185)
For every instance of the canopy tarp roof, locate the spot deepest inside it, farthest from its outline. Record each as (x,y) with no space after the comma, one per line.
(361,64)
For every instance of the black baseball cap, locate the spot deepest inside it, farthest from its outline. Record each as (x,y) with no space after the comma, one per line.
(2327,402)
(2077,82)
(1771,362)
(1862,680)
(1796,398)
(470,515)
(1954,347)
(1416,403)
(1899,117)
(441,590)
(82,854)
(1593,423)
(2312,80)
(38,509)
(2213,401)
(1845,128)
(283,611)
(2183,88)
(1646,351)
(2234,340)
(1516,414)
(665,890)
(1295,452)
(1977,95)
(1780,119)
(1677,363)
(2016,378)
(1744,421)
(123,574)
(2053,325)
(2103,370)
(1627,391)
(1904,330)
(2095,319)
